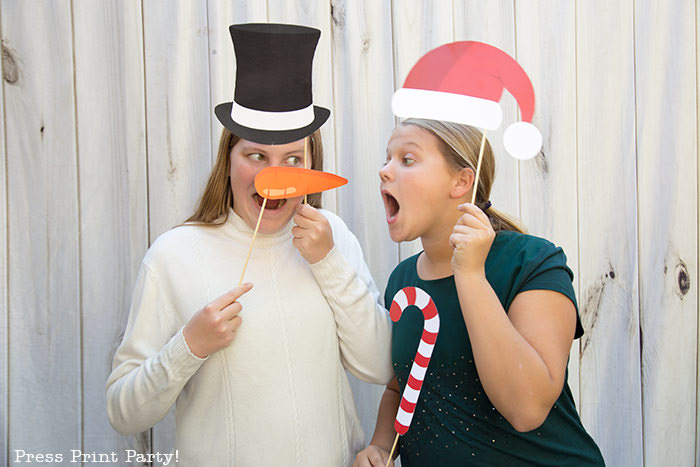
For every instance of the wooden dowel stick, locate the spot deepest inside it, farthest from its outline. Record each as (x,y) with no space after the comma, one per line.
(306,145)
(478,165)
(250,250)
(393,448)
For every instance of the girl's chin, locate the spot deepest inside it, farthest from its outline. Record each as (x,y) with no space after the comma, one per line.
(396,235)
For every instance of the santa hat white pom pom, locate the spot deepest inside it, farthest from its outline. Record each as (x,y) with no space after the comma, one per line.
(522,140)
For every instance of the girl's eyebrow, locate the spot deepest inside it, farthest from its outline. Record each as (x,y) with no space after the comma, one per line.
(409,143)
(252,147)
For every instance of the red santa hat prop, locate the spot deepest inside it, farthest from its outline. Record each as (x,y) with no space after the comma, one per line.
(463,82)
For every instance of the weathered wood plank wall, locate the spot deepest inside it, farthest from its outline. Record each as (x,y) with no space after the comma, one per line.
(107,136)
(607,212)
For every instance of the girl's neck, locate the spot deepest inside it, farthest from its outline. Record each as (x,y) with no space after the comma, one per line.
(436,260)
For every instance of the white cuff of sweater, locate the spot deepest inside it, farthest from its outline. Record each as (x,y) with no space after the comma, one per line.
(181,337)
(329,266)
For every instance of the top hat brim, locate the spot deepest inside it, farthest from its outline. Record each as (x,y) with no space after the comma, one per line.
(223,113)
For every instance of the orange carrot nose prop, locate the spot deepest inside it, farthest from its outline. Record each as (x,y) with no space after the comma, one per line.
(288,182)
(291,182)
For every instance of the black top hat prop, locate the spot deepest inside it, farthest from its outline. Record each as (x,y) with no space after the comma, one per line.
(272,102)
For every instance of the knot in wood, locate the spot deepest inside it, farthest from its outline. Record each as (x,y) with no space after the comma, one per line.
(10,70)
(683,279)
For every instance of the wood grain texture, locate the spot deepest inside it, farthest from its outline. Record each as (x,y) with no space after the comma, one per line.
(112,172)
(178,114)
(546,49)
(222,63)
(317,15)
(494,23)
(667,167)
(418,27)
(697,240)
(107,135)
(178,125)
(7,64)
(363,85)
(607,210)
(43,230)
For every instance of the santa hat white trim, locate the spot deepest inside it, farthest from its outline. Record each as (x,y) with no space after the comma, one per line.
(438,105)
(272,121)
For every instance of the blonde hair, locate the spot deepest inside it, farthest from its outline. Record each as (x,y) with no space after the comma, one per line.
(217,198)
(460,147)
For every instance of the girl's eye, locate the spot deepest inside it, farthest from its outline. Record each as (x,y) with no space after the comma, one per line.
(294,161)
(407,160)
(256,156)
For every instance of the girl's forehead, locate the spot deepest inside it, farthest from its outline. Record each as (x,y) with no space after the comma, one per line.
(411,135)
(294,146)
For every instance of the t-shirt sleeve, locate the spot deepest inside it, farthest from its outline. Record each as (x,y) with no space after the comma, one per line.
(548,271)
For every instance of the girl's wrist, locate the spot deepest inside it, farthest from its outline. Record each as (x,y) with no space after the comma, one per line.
(470,276)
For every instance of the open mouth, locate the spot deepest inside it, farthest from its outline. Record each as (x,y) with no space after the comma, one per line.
(272,204)
(392,207)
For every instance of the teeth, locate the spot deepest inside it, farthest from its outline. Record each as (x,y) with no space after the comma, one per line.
(271,203)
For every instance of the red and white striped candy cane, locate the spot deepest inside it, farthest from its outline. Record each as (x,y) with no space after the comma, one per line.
(431,325)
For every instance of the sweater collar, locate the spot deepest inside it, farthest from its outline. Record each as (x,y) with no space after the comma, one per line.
(238,229)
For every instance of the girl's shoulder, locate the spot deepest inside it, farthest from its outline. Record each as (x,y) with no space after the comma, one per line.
(525,253)
(334,219)
(174,242)
(341,232)
(511,243)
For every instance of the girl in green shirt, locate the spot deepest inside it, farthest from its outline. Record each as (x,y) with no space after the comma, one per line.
(495,392)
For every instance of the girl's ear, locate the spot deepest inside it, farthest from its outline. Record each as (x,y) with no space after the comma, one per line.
(463,182)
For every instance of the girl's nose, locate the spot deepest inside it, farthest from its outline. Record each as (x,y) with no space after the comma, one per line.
(385,172)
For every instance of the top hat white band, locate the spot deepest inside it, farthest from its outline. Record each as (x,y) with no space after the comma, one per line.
(272,121)
(438,105)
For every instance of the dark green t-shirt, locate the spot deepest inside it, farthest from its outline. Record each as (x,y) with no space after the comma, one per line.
(454,423)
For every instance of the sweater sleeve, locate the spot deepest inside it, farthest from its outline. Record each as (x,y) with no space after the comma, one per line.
(363,325)
(151,365)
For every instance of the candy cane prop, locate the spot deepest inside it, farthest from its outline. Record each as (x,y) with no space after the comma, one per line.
(431,326)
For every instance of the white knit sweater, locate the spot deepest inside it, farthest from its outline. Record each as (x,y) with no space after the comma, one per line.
(279,394)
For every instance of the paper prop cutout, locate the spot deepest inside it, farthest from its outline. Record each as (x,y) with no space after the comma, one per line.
(272,101)
(462,82)
(431,326)
(290,182)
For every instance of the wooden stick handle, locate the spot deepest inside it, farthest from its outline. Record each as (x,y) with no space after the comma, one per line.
(306,146)
(478,165)
(393,448)
(252,241)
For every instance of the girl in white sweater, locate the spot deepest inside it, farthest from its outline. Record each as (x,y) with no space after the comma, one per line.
(256,372)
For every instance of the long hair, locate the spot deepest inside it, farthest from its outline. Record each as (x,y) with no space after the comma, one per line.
(217,198)
(460,147)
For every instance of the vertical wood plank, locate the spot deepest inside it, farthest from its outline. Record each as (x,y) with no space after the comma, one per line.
(418,27)
(362,87)
(317,15)
(493,22)
(607,194)
(178,124)
(42,222)
(546,49)
(697,182)
(222,64)
(178,113)
(666,104)
(113,211)
(9,69)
